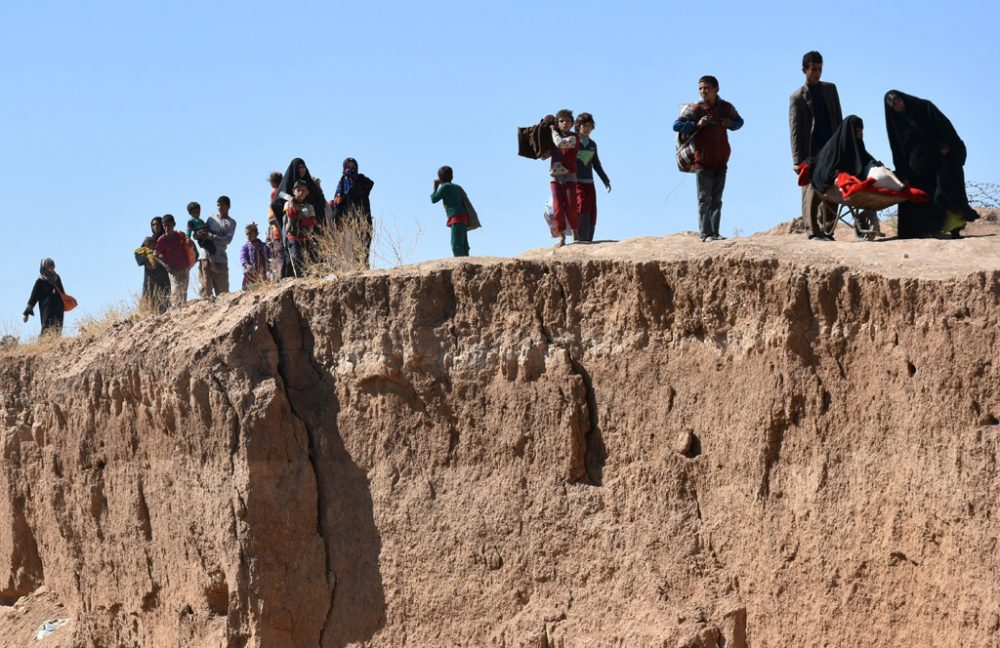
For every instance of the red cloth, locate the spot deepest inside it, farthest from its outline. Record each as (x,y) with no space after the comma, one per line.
(458,218)
(850,185)
(173,250)
(804,175)
(564,205)
(586,200)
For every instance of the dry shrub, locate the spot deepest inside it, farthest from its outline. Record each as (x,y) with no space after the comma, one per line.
(339,250)
(394,246)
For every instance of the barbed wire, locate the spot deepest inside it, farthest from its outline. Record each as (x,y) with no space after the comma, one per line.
(983,195)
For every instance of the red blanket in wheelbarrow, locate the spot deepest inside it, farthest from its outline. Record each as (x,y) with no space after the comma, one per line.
(849,185)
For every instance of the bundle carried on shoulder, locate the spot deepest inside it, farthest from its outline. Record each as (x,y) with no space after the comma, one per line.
(685,149)
(535,142)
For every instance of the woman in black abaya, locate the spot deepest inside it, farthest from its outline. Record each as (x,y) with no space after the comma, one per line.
(928,154)
(45,293)
(297,170)
(155,281)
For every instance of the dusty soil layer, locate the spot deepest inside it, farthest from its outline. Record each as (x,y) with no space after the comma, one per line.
(763,442)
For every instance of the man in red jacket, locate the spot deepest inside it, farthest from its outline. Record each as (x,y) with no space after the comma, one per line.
(708,122)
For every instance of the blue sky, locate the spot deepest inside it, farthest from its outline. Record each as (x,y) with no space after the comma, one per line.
(116,112)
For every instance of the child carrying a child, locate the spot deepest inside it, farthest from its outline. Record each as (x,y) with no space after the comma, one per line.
(563,173)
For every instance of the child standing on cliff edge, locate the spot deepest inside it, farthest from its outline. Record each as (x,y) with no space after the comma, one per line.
(458,209)
(563,173)
(587,161)
(707,124)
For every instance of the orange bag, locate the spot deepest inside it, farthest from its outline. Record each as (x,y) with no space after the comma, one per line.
(192,254)
(69,302)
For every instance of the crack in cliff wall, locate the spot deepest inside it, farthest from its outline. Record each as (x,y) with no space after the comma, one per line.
(291,385)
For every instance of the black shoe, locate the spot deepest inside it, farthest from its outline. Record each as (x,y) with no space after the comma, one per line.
(956,233)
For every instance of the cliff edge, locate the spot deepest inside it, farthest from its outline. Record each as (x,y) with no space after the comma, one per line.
(761,442)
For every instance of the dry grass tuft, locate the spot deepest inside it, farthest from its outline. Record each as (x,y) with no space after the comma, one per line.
(339,250)
(87,327)
(131,310)
(44,343)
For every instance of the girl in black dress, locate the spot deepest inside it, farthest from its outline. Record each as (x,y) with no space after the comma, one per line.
(46,293)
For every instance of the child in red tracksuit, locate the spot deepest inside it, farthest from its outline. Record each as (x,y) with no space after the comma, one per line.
(563,172)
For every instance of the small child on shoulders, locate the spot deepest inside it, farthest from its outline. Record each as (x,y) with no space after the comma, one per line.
(455,209)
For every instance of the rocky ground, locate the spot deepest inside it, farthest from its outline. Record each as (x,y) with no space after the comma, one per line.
(762,442)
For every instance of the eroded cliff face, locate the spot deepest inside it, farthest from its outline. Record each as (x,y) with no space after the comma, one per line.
(613,446)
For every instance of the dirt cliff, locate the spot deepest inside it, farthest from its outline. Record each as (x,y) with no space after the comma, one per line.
(762,442)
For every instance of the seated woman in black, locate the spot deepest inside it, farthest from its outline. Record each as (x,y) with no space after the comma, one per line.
(845,152)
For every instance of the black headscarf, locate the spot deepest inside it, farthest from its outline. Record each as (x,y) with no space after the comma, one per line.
(843,152)
(353,194)
(315,198)
(917,134)
(150,241)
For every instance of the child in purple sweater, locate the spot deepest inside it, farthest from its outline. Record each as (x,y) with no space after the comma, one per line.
(254,256)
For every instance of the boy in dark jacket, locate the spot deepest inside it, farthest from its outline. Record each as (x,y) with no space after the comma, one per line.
(708,122)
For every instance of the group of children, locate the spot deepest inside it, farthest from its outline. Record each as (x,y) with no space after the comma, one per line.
(168,255)
(573,161)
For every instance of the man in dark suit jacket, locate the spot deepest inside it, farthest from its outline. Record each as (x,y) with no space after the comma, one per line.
(813,114)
